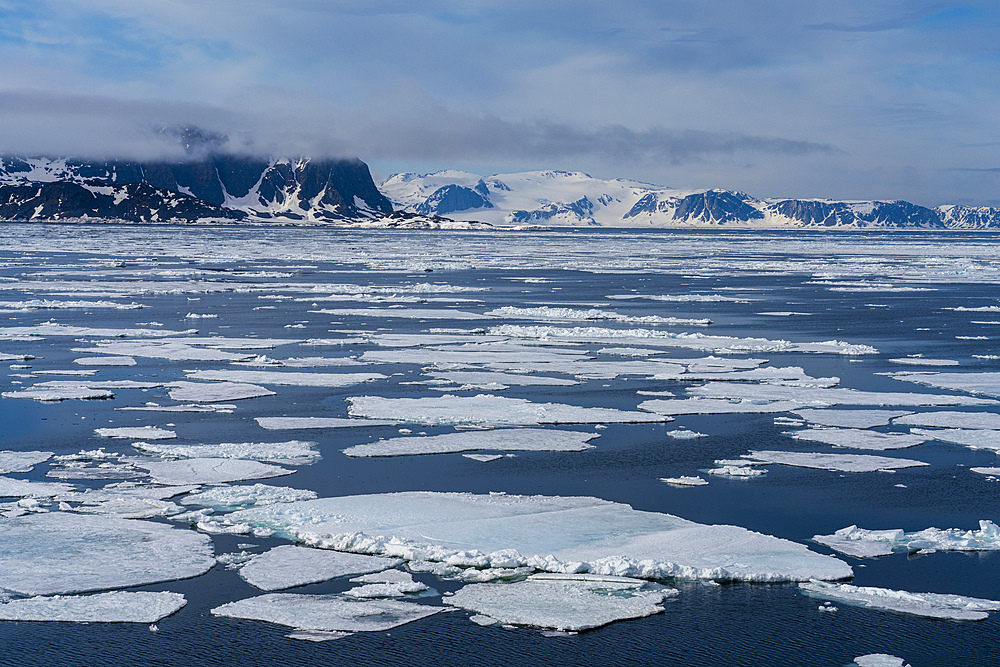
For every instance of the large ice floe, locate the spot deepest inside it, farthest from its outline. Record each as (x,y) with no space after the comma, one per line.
(862,543)
(858,438)
(112,607)
(486,408)
(927,605)
(568,602)
(326,613)
(287,566)
(837,462)
(547,533)
(291,452)
(503,439)
(62,552)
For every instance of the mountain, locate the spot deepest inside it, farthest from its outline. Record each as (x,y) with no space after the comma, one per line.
(211,187)
(574,199)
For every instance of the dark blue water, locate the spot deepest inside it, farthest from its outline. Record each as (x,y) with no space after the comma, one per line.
(720,625)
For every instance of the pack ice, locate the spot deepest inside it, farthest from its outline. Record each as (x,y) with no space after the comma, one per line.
(60,552)
(548,533)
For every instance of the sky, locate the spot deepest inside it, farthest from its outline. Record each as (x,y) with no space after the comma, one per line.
(777,98)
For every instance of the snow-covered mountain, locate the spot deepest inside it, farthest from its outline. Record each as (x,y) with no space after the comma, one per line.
(573,199)
(209,187)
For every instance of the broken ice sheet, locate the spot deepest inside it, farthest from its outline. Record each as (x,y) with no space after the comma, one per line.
(836,462)
(326,612)
(21,461)
(292,423)
(862,543)
(60,552)
(215,392)
(286,566)
(210,471)
(286,378)
(549,440)
(551,533)
(849,418)
(563,602)
(249,495)
(486,408)
(291,452)
(927,605)
(113,607)
(856,438)
(136,432)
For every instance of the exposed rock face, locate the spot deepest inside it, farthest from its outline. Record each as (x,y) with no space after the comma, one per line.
(211,187)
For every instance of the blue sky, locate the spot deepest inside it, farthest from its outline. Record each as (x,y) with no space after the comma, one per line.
(775,97)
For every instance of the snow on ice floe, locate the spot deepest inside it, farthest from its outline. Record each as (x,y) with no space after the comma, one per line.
(952,420)
(292,423)
(573,314)
(837,462)
(136,432)
(291,452)
(287,565)
(880,660)
(503,440)
(713,406)
(827,396)
(287,378)
(406,313)
(972,438)
(105,361)
(863,543)
(985,382)
(549,533)
(850,418)
(248,495)
(927,605)
(857,438)
(694,341)
(112,607)
(215,392)
(210,471)
(488,408)
(563,602)
(21,461)
(61,552)
(328,613)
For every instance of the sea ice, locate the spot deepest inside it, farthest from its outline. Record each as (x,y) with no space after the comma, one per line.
(136,433)
(715,406)
(210,471)
(952,420)
(551,533)
(221,408)
(972,438)
(993,472)
(406,313)
(573,314)
(287,566)
(985,382)
(328,613)
(482,408)
(60,552)
(827,396)
(879,660)
(215,392)
(685,480)
(287,378)
(514,439)
(59,392)
(113,607)
(927,605)
(737,471)
(837,462)
(22,488)
(850,418)
(483,458)
(286,423)
(250,495)
(563,602)
(856,438)
(21,461)
(862,543)
(921,361)
(291,452)
(510,379)
(105,361)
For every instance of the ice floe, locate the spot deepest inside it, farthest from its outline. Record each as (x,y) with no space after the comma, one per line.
(838,462)
(922,361)
(210,471)
(105,361)
(713,406)
(292,423)
(927,605)
(849,418)
(862,543)
(328,613)
(985,382)
(137,433)
(22,488)
(573,314)
(952,420)
(21,461)
(62,552)
(291,452)
(287,378)
(880,660)
(737,471)
(685,480)
(113,607)
(510,379)
(486,408)
(406,313)
(857,438)
(827,396)
(567,602)
(287,566)
(972,438)
(549,533)
(249,495)
(547,440)
(215,392)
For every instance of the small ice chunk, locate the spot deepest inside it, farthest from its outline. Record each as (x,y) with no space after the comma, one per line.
(568,602)
(287,566)
(483,458)
(837,462)
(210,471)
(879,660)
(850,418)
(685,480)
(113,607)
(328,613)
(317,635)
(283,423)
(137,433)
(514,439)
(21,461)
(685,434)
(927,605)
(856,438)
(394,589)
